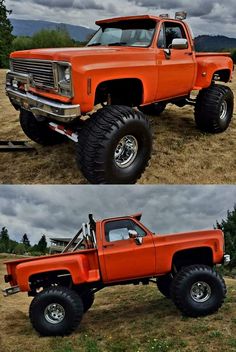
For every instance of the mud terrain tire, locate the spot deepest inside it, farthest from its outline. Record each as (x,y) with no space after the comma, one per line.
(164,284)
(38,131)
(56,311)
(198,290)
(154,109)
(87,300)
(214,109)
(114,146)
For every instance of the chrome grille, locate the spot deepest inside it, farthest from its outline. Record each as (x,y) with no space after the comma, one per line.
(40,71)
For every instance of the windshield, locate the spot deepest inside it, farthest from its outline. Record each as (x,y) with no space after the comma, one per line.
(127,33)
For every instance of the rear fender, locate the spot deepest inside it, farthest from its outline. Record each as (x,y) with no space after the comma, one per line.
(208,66)
(77,266)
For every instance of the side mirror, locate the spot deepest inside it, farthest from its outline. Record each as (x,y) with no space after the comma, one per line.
(179,43)
(134,234)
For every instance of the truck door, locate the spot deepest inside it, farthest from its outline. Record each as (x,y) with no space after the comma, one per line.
(176,72)
(123,257)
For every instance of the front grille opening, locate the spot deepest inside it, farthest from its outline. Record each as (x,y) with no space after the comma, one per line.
(40,71)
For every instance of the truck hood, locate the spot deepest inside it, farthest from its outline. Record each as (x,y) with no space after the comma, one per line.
(68,54)
(194,236)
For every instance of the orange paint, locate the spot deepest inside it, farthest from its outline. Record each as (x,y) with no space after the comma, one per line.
(161,78)
(118,261)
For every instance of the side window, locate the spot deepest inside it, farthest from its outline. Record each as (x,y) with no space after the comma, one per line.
(161,40)
(139,230)
(170,31)
(119,230)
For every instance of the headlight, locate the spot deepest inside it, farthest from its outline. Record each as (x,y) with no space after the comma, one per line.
(64,79)
(67,74)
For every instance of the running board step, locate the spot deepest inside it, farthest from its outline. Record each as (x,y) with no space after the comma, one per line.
(15,146)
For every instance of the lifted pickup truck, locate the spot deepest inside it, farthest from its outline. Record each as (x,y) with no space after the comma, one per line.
(119,251)
(132,65)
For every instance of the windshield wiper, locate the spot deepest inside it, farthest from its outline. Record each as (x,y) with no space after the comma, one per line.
(94,44)
(118,43)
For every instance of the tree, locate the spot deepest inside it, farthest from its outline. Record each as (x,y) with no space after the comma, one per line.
(22,43)
(42,245)
(228,226)
(4,240)
(52,38)
(233,52)
(20,249)
(6,36)
(25,241)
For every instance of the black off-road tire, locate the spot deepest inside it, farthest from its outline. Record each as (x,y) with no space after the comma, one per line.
(210,107)
(68,299)
(87,300)
(39,131)
(184,286)
(154,109)
(100,138)
(164,284)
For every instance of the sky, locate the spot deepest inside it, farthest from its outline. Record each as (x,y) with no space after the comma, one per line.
(205,16)
(60,210)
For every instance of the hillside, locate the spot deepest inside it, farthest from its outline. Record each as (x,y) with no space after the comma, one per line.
(80,33)
(214,43)
(29,27)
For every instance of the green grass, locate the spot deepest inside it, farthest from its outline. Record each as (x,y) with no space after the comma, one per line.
(124,319)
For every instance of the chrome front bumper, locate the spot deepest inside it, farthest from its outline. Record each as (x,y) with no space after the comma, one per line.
(40,107)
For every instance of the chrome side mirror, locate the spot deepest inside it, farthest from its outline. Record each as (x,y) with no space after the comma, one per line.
(134,234)
(179,43)
(139,240)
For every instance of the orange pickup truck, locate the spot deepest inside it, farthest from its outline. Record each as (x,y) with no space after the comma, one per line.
(131,66)
(119,251)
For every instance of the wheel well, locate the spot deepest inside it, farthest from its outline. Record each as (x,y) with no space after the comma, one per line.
(127,91)
(46,279)
(224,75)
(187,257)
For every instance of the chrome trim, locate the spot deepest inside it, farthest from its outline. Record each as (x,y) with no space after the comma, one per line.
(55,64)
(226,259)
(41,107)
(10,291)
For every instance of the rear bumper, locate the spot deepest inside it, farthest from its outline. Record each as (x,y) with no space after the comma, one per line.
(40,107)
(10,291)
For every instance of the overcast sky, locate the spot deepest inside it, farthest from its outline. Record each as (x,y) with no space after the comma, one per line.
(205,16)
(60,210)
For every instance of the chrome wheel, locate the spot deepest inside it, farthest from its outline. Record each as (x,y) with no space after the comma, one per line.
(200,292)
(126,151)
(54,313)
(223,110)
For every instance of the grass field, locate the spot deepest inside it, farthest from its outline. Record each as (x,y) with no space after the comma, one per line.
(181,154)
(123,319)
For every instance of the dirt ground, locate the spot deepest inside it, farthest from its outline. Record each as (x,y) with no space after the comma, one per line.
(123,319)
(181,154)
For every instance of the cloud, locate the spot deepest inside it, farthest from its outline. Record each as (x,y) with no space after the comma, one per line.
(197,8)
(60,210)
(73,4)
(205,16)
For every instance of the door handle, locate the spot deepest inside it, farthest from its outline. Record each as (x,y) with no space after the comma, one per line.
(190,54)
(108,245)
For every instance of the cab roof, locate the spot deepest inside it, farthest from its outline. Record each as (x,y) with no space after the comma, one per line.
(136,216)
(127,18)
